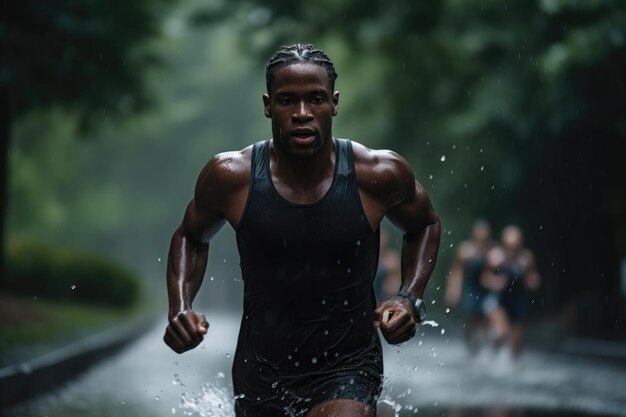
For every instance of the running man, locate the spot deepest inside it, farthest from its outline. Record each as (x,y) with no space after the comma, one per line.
(510,274)
(464,283)
(306,208)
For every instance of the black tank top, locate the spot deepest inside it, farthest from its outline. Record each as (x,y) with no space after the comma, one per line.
(308,271)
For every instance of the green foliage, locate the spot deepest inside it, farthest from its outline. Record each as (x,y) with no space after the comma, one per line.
(88,56)
(45,272)
(29,321)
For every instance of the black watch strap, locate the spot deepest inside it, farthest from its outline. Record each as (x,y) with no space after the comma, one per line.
(419,311)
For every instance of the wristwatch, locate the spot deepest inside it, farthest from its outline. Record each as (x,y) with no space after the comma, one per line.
(419,306)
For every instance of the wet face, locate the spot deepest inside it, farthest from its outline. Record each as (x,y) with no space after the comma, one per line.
(301,104)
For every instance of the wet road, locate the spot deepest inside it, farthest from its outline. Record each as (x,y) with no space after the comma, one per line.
(430,376)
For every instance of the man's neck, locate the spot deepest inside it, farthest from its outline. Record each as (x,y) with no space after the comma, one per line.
(303,172)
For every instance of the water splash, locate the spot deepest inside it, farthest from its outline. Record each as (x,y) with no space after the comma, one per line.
(215,400)
(431,323)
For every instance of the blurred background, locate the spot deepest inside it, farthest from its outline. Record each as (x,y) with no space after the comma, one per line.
(512,111)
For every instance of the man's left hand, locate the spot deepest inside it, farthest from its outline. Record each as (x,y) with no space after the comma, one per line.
(396,320)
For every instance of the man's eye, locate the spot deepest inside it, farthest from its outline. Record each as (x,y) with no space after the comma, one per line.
(318,100)
(285,101)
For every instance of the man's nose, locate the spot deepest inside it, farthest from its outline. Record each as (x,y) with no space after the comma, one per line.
(302,112)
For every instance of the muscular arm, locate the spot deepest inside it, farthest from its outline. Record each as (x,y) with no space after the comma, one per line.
(215,200)
(416,217)
(407,205)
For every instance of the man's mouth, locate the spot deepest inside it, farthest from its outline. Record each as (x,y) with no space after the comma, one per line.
(303,136)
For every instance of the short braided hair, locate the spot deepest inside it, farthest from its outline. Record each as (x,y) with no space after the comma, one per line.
(295,54)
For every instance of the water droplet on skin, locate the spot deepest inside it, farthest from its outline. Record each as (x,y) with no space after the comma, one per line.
(443,158)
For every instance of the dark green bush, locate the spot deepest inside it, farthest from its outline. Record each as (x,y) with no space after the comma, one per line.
(38,270)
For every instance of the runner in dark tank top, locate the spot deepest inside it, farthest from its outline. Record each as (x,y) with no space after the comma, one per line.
(309,306)
(307,210)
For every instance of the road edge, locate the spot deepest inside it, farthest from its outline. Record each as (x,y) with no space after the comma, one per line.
(28,379)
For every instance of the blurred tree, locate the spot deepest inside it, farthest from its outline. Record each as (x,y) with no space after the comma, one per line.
(514,108)
(88,57)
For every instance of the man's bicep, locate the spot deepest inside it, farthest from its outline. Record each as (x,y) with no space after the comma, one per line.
(415,212)
(200,224)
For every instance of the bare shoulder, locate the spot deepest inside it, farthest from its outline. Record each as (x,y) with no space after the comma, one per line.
(383,173)
(380,162)
(224,175)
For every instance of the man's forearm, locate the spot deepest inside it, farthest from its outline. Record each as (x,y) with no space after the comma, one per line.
(419,256)
(185,271)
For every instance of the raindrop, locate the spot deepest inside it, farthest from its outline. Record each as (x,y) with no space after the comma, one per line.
(228,355)
(314,360)
(430,177)
(156,397)
(443,331)
(275,384)
(447,310)
(482,168)
(345,302)
(158,259)
(73,287)
(173,410)
(443,158)
(220,374)
(212,279)
(349,270)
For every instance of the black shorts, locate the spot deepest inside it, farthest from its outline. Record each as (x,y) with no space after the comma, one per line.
(297,397)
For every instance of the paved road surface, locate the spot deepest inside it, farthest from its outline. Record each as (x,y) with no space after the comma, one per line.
(431,374)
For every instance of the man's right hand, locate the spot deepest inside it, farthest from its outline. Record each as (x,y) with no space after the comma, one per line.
(185,331)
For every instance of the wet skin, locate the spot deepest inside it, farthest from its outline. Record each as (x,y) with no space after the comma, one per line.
(301,105)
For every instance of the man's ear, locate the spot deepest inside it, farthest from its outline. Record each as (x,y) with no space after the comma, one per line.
(266,106)
(335,103)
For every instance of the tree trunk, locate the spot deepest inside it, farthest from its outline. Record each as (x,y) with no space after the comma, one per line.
(5,132)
